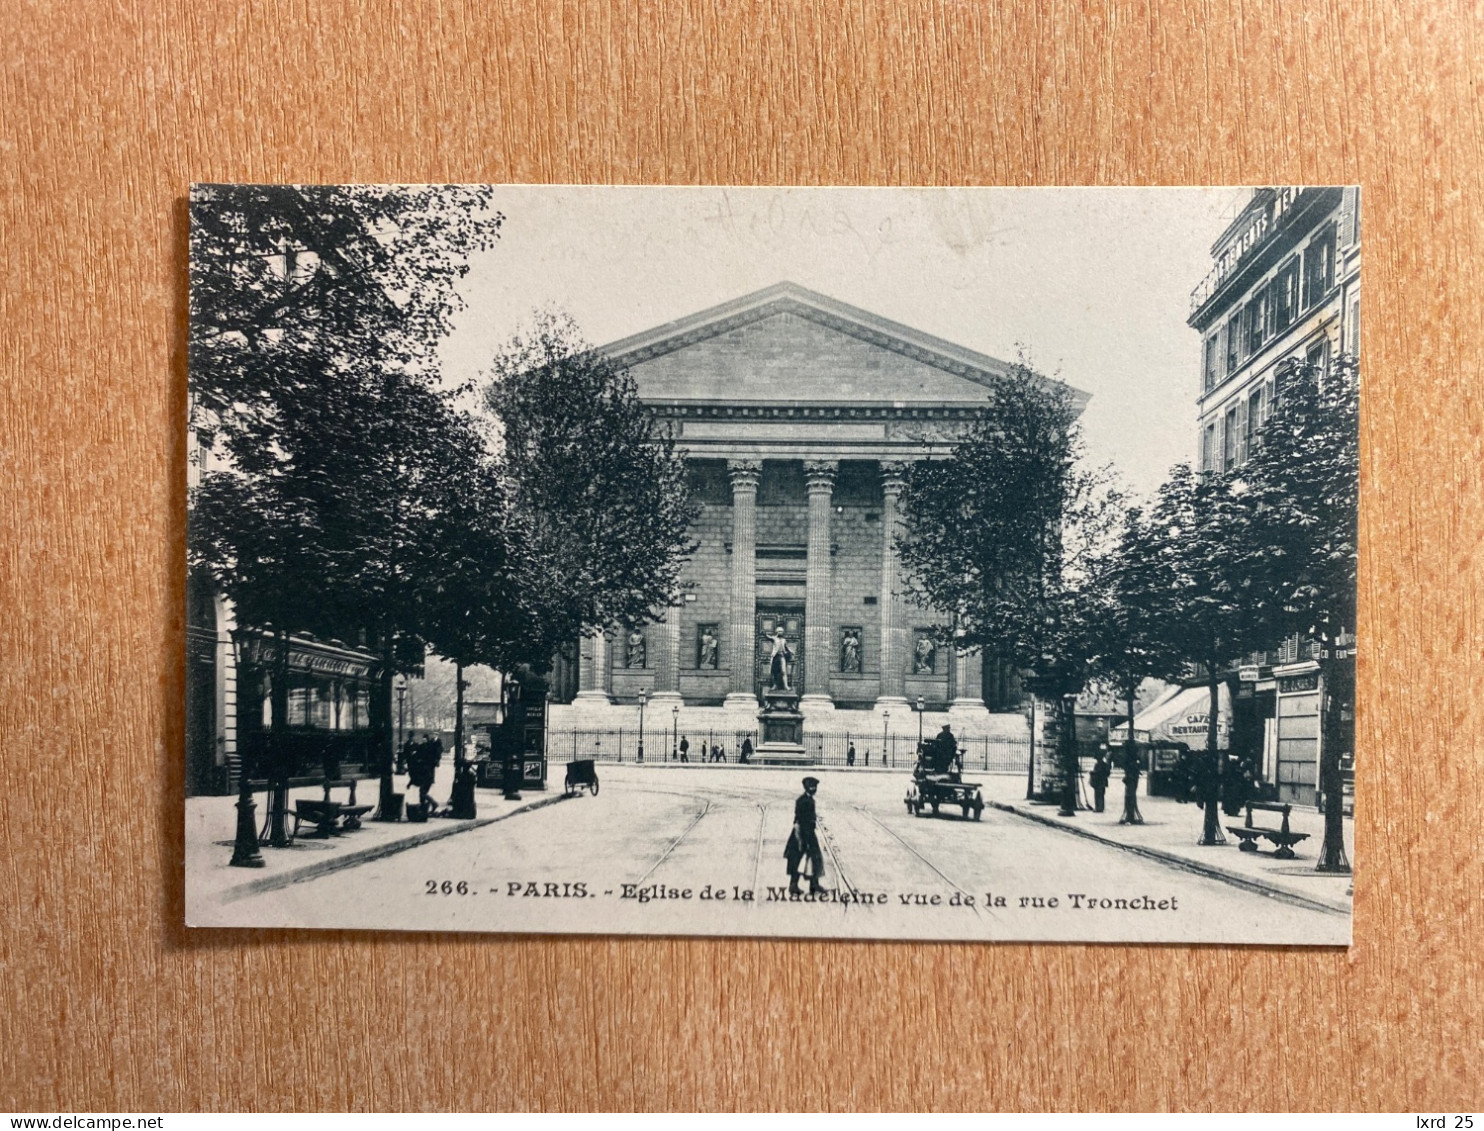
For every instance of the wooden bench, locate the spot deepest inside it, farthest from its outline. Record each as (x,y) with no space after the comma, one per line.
(1249,834)
(328,816)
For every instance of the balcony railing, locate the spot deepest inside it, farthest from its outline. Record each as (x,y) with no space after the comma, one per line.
(1261,222)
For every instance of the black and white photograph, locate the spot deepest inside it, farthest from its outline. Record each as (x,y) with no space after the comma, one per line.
(859,563)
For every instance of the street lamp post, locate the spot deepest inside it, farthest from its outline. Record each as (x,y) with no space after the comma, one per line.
(885,720)
(245,852)
(514,727)
(919,726)
(401,709)
(643,698)
(674,733)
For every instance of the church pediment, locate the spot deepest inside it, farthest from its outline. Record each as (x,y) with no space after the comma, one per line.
(787,345)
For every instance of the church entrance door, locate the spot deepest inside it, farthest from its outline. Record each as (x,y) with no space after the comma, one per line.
(769,618)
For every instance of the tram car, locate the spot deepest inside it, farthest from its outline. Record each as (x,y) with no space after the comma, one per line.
(937,780)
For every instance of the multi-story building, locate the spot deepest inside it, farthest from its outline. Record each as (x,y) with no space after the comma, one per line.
(1284,287)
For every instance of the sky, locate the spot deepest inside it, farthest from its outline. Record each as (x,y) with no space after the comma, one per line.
(1092,284)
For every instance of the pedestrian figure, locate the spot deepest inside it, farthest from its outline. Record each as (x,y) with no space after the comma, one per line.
(1098,778)
(803,842)
(422,766)
(868,756)
(720,752)
(746,755)
(684,749)
(850,754)
(403,754)
(943,752)
(705,755)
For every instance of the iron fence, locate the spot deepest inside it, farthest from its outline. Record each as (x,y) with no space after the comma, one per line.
(893,751)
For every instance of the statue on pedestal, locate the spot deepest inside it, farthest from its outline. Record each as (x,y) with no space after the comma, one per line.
(778,671)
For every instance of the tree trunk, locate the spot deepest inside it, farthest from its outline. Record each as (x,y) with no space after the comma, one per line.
(381,730)
(458,718)
(1131,814)
(1211,833)
(1332,856)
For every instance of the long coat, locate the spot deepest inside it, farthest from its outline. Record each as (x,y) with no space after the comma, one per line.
(803,841)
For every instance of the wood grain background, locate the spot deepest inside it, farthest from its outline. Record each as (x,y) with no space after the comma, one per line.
(109,110)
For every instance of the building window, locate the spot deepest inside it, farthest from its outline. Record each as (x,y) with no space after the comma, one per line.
(1254,416)
(1233,344)
(1286,296)
(1319,267)
(1257,322)
(1208,447)
(1229,440)
(1213,351)
(1318,355)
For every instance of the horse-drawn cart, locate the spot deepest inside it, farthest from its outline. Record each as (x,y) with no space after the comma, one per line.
(581,774)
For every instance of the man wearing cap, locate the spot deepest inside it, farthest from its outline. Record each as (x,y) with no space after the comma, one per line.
(803,842)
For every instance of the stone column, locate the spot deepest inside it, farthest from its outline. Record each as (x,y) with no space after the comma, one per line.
(744,475)
(592,669)
(967,709)
(893,610)
(666,637)
(818,577)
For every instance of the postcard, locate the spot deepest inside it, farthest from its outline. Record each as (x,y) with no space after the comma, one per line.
(868,563)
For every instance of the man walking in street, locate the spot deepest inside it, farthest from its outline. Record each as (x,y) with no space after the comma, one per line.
(803,842)
(684,749)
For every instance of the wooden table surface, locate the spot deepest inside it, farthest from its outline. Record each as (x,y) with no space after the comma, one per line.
(108,111)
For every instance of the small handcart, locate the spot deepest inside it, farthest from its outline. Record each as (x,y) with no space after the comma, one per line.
(581,774)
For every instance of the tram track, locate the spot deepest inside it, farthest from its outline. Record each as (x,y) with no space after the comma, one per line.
(757,854)
(829,844)
(665,855)
(884,827)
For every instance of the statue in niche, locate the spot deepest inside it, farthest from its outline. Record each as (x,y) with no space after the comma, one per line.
(925,659)
(635,656)
(850,651)
(706,647)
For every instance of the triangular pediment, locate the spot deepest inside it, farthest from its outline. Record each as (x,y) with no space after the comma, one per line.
(790,345)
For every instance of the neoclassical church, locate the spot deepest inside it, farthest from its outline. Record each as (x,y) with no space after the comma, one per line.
(799,417)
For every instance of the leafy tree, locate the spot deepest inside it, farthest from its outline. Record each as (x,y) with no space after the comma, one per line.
(1300,494)
(1199,562)
(466,575)
(1008,538)
(314,316)
(1134,643)
(596,494)
(295,288)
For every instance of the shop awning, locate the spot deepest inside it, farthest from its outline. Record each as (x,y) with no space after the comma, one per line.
(1183,716)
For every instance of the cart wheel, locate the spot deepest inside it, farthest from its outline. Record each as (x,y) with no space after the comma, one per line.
(568,788)
(595,785)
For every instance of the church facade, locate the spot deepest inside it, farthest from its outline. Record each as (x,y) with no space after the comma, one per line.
(799,418)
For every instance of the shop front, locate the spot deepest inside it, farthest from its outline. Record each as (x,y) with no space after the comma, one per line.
(327,725)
